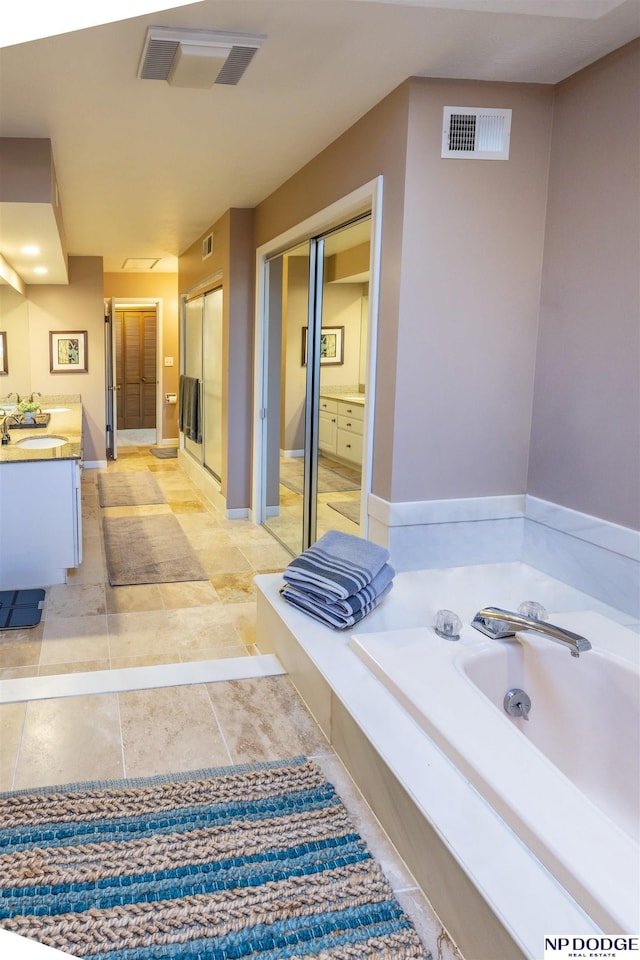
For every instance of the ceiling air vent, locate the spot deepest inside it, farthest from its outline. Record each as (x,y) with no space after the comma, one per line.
(476,133)
(196,59)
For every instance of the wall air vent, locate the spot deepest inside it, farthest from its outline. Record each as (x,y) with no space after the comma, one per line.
(476,133)
(207,246)
(196,59)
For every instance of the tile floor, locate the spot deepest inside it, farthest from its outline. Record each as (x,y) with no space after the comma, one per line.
(89,626)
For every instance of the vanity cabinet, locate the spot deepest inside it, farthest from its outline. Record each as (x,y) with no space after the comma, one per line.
(349,435)
(340,427)
(328,426)
(41,522)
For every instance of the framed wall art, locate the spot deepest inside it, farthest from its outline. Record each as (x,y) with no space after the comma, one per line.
(4,365)
(331,345)
(68,351)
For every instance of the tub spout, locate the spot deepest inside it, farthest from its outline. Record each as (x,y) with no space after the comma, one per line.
(497,623)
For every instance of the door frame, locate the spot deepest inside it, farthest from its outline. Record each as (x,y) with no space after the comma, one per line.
(119,303)
(368,196)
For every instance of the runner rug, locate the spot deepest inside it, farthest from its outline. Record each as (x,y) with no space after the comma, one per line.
(128,489)
(256,861)
(150,549)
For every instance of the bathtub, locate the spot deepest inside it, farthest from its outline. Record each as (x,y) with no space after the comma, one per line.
(567,780)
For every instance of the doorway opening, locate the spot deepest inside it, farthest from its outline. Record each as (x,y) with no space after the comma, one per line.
(317,306)
(133,346)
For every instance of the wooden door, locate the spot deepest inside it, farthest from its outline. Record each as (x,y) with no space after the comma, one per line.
(136,331)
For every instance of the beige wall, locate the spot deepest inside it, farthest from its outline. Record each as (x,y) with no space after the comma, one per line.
(14,321)
(470,283)
(163,286)
(78,306)
(459,284)
(586,419)
(232,262)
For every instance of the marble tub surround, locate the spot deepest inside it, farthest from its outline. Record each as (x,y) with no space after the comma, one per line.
(65,420)
(591,554)
(463,855)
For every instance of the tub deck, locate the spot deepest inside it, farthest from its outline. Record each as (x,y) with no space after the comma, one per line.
(463,855)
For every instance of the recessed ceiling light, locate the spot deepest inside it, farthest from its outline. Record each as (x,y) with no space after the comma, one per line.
(31,251)
(40,270)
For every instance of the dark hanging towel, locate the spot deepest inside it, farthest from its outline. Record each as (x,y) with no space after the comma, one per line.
(189,413)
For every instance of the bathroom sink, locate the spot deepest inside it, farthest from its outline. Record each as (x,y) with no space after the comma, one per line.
(41,443)
(56,410)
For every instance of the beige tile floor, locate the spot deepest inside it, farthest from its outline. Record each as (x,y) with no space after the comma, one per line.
(149,732)
(287,525)
(89,626)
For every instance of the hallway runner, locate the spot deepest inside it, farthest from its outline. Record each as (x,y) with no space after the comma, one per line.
(258,861)
(128,489)
(152,549)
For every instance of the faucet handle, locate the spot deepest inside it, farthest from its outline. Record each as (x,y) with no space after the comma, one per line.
(533,610)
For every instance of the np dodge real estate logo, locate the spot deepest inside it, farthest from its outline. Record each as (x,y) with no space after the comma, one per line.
(575,948)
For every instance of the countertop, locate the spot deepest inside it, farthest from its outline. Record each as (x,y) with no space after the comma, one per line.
(65,421)
(347,397)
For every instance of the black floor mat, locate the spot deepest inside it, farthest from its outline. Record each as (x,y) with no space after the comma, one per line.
(20,608)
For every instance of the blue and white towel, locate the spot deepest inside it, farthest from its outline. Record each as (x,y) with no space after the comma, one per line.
(334,614)
(336,566)
(342,613)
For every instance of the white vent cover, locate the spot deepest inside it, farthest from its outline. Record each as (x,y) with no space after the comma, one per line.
(476,133)
(196,58)
(207,246)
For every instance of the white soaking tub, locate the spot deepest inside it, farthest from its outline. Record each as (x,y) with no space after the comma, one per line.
(567,780)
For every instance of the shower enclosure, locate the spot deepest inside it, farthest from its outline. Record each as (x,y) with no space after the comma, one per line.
(202,352)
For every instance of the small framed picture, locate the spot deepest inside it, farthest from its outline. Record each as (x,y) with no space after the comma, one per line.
(4,364)
(68,351)
(331,345)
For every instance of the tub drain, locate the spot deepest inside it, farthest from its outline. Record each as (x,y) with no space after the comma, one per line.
(517,703)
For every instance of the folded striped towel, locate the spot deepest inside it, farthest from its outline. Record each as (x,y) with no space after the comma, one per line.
(340,615)
(336,566)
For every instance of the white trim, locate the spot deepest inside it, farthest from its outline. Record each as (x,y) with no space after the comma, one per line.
(139,678)
(94,465)
(417,512)
(368,195)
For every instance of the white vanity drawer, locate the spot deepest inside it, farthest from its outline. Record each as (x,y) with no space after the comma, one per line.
(328,406)
(353,410)
(349,446)
(350,424)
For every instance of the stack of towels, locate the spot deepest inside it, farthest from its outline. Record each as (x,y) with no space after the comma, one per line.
(339,579)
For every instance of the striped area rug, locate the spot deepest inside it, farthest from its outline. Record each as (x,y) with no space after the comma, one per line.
(257,862)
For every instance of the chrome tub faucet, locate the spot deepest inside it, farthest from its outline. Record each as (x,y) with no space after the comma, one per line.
(497,623)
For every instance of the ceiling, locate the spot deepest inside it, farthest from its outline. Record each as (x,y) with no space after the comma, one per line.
(144,167)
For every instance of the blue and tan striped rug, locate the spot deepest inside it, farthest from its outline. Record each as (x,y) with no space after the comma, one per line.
(258,862)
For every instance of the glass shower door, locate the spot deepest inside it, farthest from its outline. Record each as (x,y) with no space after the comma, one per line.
(192,343)
(212,382)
